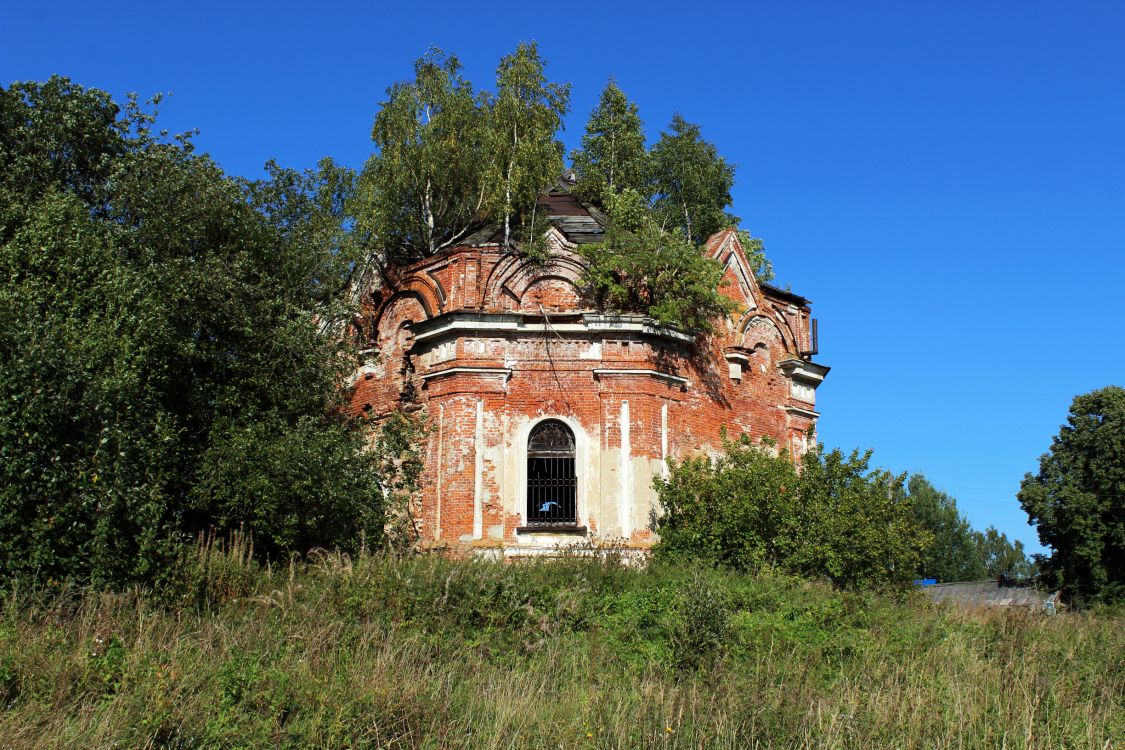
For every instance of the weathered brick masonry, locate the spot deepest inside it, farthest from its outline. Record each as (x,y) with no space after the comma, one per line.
(494,346)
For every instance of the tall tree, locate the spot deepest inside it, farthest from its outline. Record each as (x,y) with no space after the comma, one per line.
(1077,499)
(426,183)
(954,553)
(692,183)
(641,268)
(1001,557)
(163,363)
(613,155)
(524,118)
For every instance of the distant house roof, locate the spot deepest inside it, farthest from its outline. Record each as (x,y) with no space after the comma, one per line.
(989,594)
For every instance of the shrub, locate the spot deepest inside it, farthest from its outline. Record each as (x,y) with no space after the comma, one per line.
(832,516)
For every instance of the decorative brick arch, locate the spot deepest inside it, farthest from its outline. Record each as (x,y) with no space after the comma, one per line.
(514,274)
(425,310)
(757,319)
(554,293)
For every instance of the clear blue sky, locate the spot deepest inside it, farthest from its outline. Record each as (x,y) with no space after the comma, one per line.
(945,180)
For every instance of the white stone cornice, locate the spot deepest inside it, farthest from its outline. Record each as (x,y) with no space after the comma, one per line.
(800,411)
(506,372)
(561,323)
(800,369)
(603,371)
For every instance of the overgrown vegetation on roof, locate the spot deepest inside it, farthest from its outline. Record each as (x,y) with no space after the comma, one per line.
(452,160)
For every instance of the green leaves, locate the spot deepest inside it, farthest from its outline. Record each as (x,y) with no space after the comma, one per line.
(169,361)
(749,508)
(662,205)
(1077,500)
(427,186)
(613,156)
(451,159)
(957,552)
(953,553)
(640,268)
(692,183)
(524,118)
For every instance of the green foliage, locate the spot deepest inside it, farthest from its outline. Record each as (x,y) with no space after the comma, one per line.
(1002,557)
(749,509)
(383,652)
(613,156)
(755,251)
(701,632)
(290,484)
(1077,499)
(691,183)
(167,356)
(397,453)
(526,157)
(953,554)
(425,184)
(450,159)
(661,206)
(957,552)
(641,268)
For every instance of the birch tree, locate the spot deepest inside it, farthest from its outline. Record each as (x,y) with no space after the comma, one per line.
(613,155)
(692,183)
(526,157)
(426,184)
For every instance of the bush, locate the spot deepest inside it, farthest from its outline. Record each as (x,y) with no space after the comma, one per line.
(169,363)
(830,517)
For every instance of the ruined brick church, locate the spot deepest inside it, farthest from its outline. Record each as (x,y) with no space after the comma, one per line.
(548,420)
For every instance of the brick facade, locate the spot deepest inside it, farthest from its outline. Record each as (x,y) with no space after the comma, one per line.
(491,345)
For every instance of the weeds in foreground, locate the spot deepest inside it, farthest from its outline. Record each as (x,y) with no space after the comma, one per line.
(376,652)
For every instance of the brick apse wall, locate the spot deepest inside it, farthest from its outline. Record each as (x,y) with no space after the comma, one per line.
(492,345)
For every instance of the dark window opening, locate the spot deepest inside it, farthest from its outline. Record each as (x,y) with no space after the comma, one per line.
(552,483)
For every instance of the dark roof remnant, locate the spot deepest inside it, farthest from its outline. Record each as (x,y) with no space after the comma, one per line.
(784,294)
(582,224)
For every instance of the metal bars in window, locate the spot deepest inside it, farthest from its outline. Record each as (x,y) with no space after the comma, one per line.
(552,481)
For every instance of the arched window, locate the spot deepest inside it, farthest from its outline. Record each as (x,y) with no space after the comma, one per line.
(552,484)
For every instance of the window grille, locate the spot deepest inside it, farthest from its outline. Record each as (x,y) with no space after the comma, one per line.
(552,484)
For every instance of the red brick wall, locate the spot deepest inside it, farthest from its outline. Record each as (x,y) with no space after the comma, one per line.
(548,370)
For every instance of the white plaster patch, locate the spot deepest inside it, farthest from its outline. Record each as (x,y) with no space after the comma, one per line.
(802,391)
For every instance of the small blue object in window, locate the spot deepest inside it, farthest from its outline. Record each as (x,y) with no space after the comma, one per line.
(547,506)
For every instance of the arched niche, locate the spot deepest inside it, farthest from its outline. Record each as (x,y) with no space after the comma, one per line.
(401,310)
(514,275)
(764,342)
(551,293)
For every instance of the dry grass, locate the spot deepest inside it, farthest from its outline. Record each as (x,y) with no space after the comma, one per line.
(430,653)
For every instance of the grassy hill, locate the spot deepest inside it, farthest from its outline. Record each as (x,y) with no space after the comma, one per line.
(378,652)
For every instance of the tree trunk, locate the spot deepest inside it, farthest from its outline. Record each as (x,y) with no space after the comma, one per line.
(508,203)
(428,215)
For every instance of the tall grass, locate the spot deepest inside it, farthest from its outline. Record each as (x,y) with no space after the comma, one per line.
(427,652)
